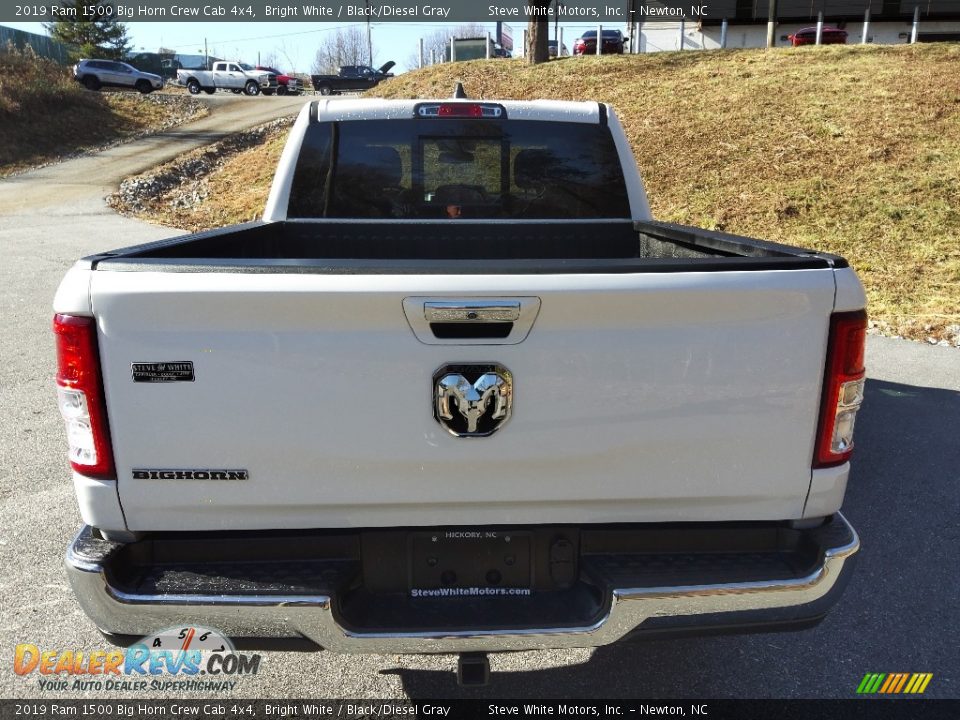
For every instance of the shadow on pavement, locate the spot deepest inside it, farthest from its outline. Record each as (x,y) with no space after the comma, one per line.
(896,615)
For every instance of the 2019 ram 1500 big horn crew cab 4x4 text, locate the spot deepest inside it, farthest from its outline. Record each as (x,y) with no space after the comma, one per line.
(459,392)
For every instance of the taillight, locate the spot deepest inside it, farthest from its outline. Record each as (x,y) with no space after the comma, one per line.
(80,396)
(461,110)
(842,388)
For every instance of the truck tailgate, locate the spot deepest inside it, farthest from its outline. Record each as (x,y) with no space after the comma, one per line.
(673,396)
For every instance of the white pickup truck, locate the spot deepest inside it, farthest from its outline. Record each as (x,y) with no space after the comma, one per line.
(459,393)
(236,76)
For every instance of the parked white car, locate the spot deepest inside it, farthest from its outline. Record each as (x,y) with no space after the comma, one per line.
(235,76)
(95,74)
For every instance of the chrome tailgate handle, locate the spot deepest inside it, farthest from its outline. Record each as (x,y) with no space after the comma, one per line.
(477,320)
(480,311)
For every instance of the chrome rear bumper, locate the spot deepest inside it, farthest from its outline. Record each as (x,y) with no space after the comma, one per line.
(315,616)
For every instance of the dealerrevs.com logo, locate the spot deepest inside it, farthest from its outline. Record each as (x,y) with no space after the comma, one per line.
(175,659)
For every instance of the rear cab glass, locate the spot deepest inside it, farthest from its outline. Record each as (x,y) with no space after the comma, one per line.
(423,168)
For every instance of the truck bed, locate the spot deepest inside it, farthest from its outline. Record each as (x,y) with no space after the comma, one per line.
(481,247)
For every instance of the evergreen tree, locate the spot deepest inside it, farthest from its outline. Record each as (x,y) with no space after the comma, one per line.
(94,35)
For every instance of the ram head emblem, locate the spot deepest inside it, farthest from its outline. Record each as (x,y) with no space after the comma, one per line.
(472,400)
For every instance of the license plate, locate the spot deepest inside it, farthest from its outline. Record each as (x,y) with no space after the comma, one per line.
(465,562)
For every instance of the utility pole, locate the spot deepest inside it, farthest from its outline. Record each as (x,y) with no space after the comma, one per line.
(556,26)
(206,56)
(772,25)
(369,39)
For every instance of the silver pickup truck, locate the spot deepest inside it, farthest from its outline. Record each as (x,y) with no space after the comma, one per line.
(236,76)
(458,392)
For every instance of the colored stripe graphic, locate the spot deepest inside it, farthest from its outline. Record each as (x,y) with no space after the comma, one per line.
(894,683)
(923,679)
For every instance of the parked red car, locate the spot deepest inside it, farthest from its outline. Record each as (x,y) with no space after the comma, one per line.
(286,84)
(613,42)
(808,36)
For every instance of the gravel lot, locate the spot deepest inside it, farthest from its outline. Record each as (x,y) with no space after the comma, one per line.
(900,612)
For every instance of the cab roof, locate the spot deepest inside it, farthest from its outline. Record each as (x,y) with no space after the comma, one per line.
(352,108)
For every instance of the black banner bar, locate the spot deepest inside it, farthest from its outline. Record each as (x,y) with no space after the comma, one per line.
(610,12)
(344,11)
(854,709)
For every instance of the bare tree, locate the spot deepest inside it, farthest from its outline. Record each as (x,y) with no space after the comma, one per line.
(346,47)
(538,32)
(439,41)
(269,59)
(286,56)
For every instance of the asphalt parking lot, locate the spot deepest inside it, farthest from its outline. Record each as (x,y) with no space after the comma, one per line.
(899,613)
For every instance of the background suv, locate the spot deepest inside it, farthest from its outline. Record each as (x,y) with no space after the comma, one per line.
(808,36)
(95,74)
(613,41)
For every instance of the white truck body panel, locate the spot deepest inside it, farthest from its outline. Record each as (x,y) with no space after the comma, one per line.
(708,412)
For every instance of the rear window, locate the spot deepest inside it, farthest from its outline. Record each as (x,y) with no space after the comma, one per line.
(458,169)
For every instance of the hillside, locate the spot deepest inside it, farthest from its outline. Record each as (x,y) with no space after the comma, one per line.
(854,150)
(45,115)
